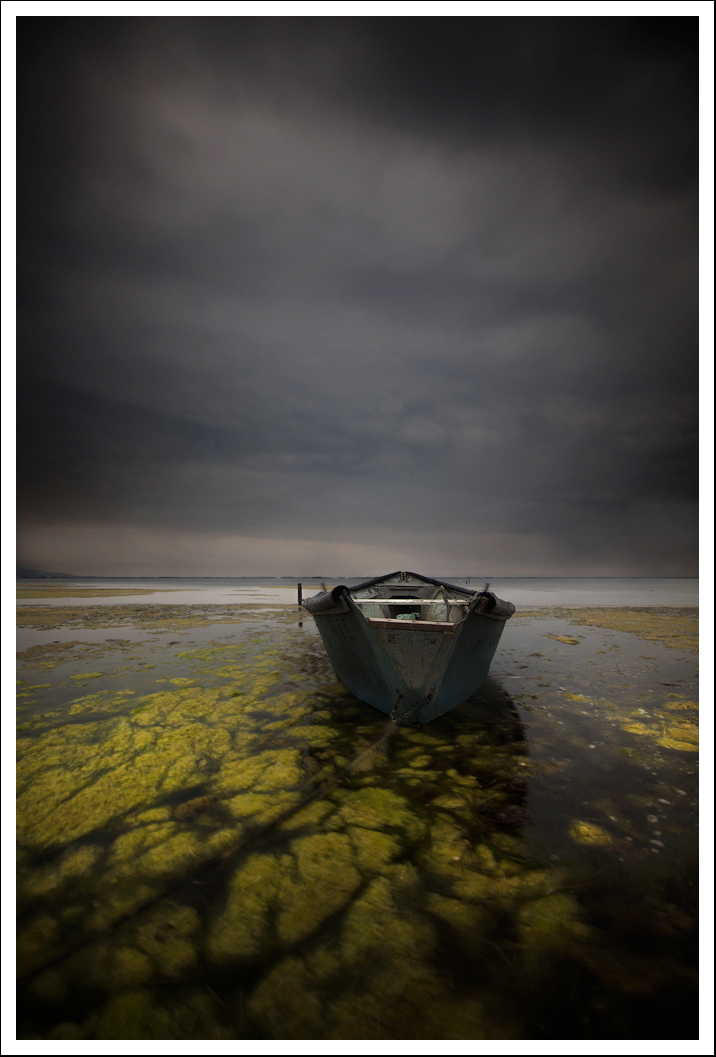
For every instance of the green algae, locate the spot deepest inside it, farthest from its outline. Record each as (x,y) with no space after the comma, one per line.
(589,833)
(324,864)
(169,937)
(377,925)
(241,931)
(139,841)
(550,927)
(283,889)
(674,628)
(137,1015)
(112,966)
(118,765)
(448,844)
(53,654)
(344,905)
(74,863)
(373,850)
(288,1003)
(400,994)
(162,943)
(262,809)
(149,617)
(309,997)
(272,770)
(673,743)
(682,735)
(377,808)
(313,814)
(503,889)
(469,921)
(314,737)
(38,939)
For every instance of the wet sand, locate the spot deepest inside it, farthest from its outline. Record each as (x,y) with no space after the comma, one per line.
(218,841)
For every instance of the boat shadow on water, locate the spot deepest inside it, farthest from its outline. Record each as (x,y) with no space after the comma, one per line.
(490,720)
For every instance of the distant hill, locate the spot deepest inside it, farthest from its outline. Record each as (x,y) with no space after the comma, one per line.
(23,573)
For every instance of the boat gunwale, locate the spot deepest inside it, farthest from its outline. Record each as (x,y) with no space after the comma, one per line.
(411,601)
(418,576)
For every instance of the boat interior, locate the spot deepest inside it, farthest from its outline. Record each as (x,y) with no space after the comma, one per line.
(412,599)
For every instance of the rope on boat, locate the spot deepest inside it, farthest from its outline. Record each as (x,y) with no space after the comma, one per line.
(408,716)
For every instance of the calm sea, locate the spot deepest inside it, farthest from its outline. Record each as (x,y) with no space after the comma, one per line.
(522,591)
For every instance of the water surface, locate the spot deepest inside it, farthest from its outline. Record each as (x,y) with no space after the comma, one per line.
(522,591)
(218,841)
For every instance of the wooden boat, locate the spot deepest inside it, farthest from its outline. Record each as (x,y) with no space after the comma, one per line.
(409,645)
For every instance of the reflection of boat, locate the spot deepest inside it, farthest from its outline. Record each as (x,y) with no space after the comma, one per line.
(487,729)
(409,645)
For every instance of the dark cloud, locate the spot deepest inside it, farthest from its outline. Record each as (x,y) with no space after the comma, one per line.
(372,282)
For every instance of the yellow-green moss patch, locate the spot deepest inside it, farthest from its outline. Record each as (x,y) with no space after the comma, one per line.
(375,923)
(323,883)
(240,930)
(677,628)
(377,808)
(373,849)
(589,833)
(168,936)
(551,926)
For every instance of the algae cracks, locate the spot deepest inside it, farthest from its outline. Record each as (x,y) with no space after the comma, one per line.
(366,941)
(182,776)
(250,852)
(104,702)
(361,920)
(364,918)
(374,873)
(283,899)
(377,976)
(143,984)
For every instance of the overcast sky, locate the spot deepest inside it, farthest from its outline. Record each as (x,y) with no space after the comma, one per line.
(347,295)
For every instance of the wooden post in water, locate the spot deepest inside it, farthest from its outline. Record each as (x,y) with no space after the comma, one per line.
(300,594)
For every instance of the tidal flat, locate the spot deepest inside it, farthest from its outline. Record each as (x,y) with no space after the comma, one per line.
(218,841)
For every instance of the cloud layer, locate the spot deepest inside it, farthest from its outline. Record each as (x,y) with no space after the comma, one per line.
(308,284)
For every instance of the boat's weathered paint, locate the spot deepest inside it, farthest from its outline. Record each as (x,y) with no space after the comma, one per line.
(412,669)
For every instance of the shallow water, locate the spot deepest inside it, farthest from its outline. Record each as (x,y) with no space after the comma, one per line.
(522,591)
(218,841)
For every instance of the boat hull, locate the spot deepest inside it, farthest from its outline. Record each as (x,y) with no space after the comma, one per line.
(413,671)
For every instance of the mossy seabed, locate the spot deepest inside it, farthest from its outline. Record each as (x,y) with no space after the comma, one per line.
(243,854)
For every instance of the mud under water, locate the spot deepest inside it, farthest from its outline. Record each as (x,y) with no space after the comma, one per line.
(218,841)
